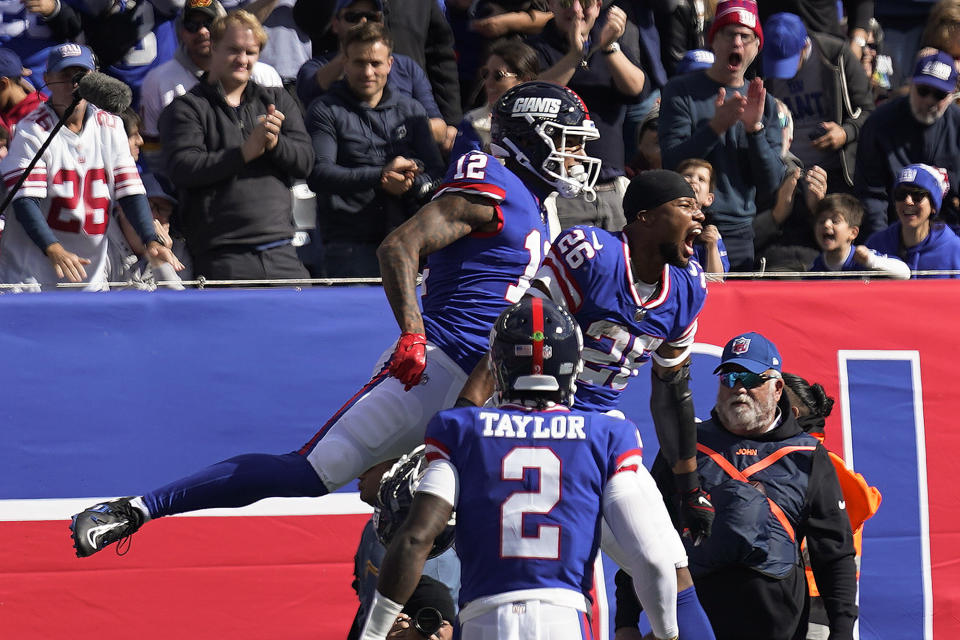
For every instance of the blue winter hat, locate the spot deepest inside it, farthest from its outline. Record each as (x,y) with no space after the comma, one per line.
(924,176)
(786,38)
(70,55)
(10,64)
(694,60)
(936,70)
(751,351)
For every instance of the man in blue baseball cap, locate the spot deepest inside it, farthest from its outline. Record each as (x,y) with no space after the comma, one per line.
(920,127)
(773,487)
(750,385)
(819,79)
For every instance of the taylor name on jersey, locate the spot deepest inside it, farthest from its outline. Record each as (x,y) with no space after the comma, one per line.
(499,424)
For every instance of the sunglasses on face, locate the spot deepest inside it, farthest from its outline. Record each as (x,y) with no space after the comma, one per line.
(747,379)
(498,75)
(357,16)
(924,91)
(900,194)
(193,26)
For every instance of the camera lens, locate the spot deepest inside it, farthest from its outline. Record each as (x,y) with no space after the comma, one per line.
(428,621)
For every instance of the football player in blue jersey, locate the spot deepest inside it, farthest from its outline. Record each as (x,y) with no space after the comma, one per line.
(637,295)
(483,237)
(534,483)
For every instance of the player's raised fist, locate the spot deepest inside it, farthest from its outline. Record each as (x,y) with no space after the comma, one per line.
(409,359)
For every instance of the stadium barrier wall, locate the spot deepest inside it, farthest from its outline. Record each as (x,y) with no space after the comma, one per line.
(115,394)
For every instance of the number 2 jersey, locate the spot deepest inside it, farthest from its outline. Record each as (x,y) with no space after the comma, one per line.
(527,494)
(76,181)
(469,282)
(588,270)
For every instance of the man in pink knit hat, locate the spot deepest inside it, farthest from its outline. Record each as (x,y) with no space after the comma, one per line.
(716,115)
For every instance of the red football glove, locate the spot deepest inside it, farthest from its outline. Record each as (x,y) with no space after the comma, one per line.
(409,359)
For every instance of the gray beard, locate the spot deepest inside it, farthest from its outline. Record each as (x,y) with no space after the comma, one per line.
(925,120)
(750,419)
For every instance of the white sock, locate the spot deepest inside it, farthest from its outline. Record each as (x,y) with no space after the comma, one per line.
(142,508)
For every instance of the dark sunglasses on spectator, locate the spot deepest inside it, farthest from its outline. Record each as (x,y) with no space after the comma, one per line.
(357,16)
(498,75)
(747,379)
(916,194)
(923,91)
(193,26)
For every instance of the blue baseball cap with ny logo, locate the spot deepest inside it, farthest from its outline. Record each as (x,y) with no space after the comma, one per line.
(751,351)
(69,55)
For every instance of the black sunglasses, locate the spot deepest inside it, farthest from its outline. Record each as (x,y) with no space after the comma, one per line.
(498,75)
(357,16)
(923,91)
(193,26)
(747,379)
(916,194)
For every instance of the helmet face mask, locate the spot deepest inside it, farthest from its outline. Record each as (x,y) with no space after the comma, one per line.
(395,496)
(541,126)
(535,353)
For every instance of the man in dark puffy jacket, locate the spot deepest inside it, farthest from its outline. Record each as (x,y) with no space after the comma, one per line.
(232,148)
(376,160)
(773,486)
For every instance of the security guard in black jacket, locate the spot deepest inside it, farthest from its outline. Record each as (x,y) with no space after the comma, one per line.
(772,486)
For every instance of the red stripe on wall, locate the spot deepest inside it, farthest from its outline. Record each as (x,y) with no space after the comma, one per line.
(238,578)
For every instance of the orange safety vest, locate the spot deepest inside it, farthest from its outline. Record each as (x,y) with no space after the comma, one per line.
(862,501)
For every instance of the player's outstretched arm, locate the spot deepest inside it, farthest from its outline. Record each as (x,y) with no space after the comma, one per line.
(436,225)
(403,563)
(671,406)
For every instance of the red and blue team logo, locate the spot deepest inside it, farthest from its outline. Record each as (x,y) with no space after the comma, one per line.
(741,346)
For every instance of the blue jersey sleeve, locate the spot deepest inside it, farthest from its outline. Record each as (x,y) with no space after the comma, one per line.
(575,269)
(442,435)
(624,448)
(690,294)
(478,173)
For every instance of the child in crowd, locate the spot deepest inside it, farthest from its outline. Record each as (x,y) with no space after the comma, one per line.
(709,249)
(647,156)
(126,256)
(838,217)
(918,237)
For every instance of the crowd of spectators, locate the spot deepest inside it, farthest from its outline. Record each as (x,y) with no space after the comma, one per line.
(785,104)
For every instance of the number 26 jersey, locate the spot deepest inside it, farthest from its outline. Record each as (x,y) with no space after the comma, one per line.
(587,270)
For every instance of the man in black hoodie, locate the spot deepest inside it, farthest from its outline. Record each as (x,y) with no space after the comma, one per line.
(773,487)
(232,148)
